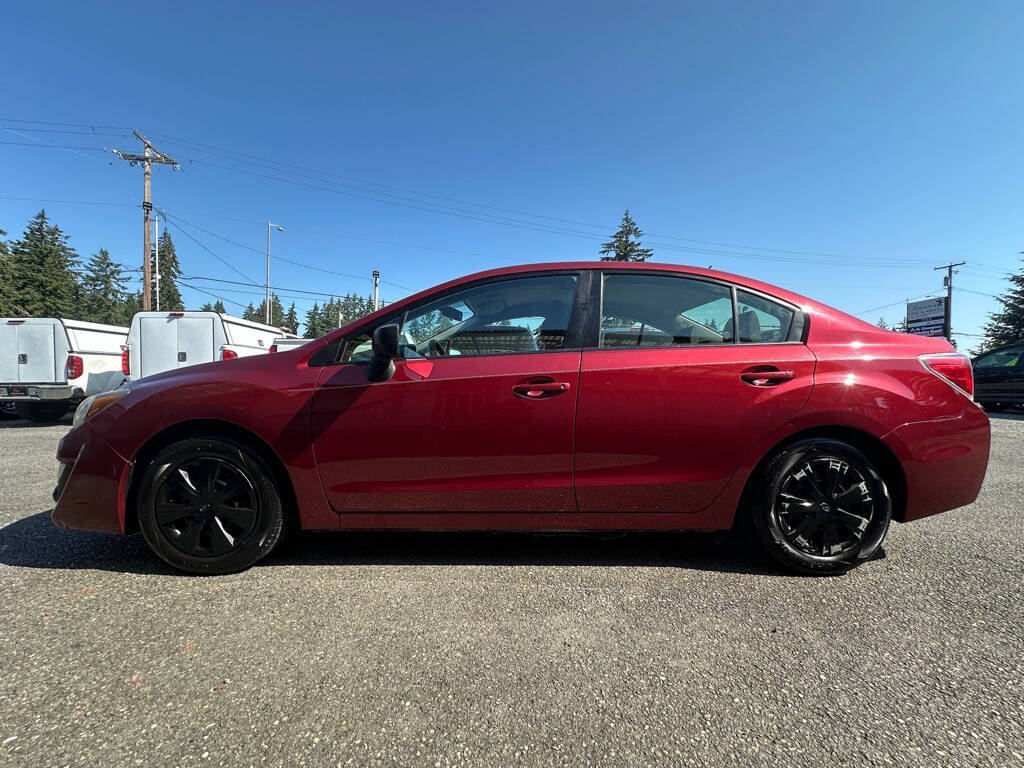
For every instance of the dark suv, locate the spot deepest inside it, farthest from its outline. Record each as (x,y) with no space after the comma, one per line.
(999,377)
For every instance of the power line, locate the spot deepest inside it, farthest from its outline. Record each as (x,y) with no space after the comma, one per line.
(66,125)
(277,258)
(225,262)
(895,303)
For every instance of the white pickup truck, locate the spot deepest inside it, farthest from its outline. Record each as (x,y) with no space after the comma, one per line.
(162,341)
(48,364)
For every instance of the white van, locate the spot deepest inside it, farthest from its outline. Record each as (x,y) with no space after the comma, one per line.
(288,341)
(48,364)
(162,341)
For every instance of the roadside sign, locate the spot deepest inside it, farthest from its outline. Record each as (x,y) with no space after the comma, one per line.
(927,317)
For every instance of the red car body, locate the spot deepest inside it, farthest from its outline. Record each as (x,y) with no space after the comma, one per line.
(636,438)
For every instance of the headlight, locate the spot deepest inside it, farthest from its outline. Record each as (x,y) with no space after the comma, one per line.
(95,404)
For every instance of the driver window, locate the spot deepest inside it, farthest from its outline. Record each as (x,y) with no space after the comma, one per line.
(527,314)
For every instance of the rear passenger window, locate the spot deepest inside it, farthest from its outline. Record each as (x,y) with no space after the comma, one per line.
(664,311)
(762,320)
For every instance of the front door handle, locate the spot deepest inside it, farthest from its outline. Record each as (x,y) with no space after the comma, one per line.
(766,378)
(540,390)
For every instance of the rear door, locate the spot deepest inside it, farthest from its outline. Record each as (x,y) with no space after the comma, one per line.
(195,340)
(671,400)
(36,354)
(158,345)
(9,351)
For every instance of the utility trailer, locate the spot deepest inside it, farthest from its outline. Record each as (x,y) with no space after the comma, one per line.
(48,364)
(163,341)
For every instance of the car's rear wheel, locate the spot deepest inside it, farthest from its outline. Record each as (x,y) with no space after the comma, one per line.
(46,410)
(209,505)
(821,508)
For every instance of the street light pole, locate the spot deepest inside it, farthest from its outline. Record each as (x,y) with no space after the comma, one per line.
(266,304)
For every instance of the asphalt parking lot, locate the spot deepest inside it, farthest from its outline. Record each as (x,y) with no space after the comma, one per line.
(492,650)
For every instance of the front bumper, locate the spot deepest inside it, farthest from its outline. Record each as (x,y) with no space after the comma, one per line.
(90,491)
(944,461)
(34,392)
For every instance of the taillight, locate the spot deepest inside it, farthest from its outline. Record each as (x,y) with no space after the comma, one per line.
(273,348)
(126,362)
(74,367)
(228,354)
(954,368)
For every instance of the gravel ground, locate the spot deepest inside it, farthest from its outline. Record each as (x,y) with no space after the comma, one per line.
(442,650)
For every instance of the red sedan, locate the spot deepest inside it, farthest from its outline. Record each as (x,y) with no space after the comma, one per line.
(578,396)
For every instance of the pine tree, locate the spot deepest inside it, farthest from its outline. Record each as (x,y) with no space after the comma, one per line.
(132,305)
(218,306)
(276,311)
(7,306)
(291,319)
(170,271)
(104,290)
(1008,326)
(207,307)
(249,313)
(625,244)
(42,271)
(313,322)
(882,324)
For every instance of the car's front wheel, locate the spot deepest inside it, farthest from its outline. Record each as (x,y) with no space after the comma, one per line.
(821,507)
(209,505)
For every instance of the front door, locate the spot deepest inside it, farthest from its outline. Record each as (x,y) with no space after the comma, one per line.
(669,402)
(478,417)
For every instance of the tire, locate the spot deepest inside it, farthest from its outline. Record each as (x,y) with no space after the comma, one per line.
(43,411)
(7,410)
(795,514)
(209,505)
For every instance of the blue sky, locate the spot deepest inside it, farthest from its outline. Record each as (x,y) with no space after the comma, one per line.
(885,136)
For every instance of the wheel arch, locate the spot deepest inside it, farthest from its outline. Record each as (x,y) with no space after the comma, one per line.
(871,446)
(183,430)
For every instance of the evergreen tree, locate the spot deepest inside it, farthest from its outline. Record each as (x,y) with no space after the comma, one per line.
(104,290)
(1008,326)
(313,322)
(207,307)
(625,244)
(882,324)
(7,307)
(132,304)
(276,311)
(170,271)
(291,319)
(42,271)
(218,306)
(249,313)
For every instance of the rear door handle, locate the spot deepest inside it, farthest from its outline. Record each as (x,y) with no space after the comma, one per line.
(766,378)
(540,390)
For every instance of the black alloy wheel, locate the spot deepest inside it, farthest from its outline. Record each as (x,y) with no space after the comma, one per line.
(209,505)
(823,507)
(205,506)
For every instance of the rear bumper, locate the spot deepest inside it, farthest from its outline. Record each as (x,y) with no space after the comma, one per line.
(35,392)
(91,483)
(944,461)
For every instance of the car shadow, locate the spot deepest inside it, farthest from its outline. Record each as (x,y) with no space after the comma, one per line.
(35,542)
(24,424)
(1006,415)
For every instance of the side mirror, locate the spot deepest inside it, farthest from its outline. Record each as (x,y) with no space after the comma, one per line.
(385,350)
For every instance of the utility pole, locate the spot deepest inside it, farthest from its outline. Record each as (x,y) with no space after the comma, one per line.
(150,155)
(376,290)
(947,323)
(266,304)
